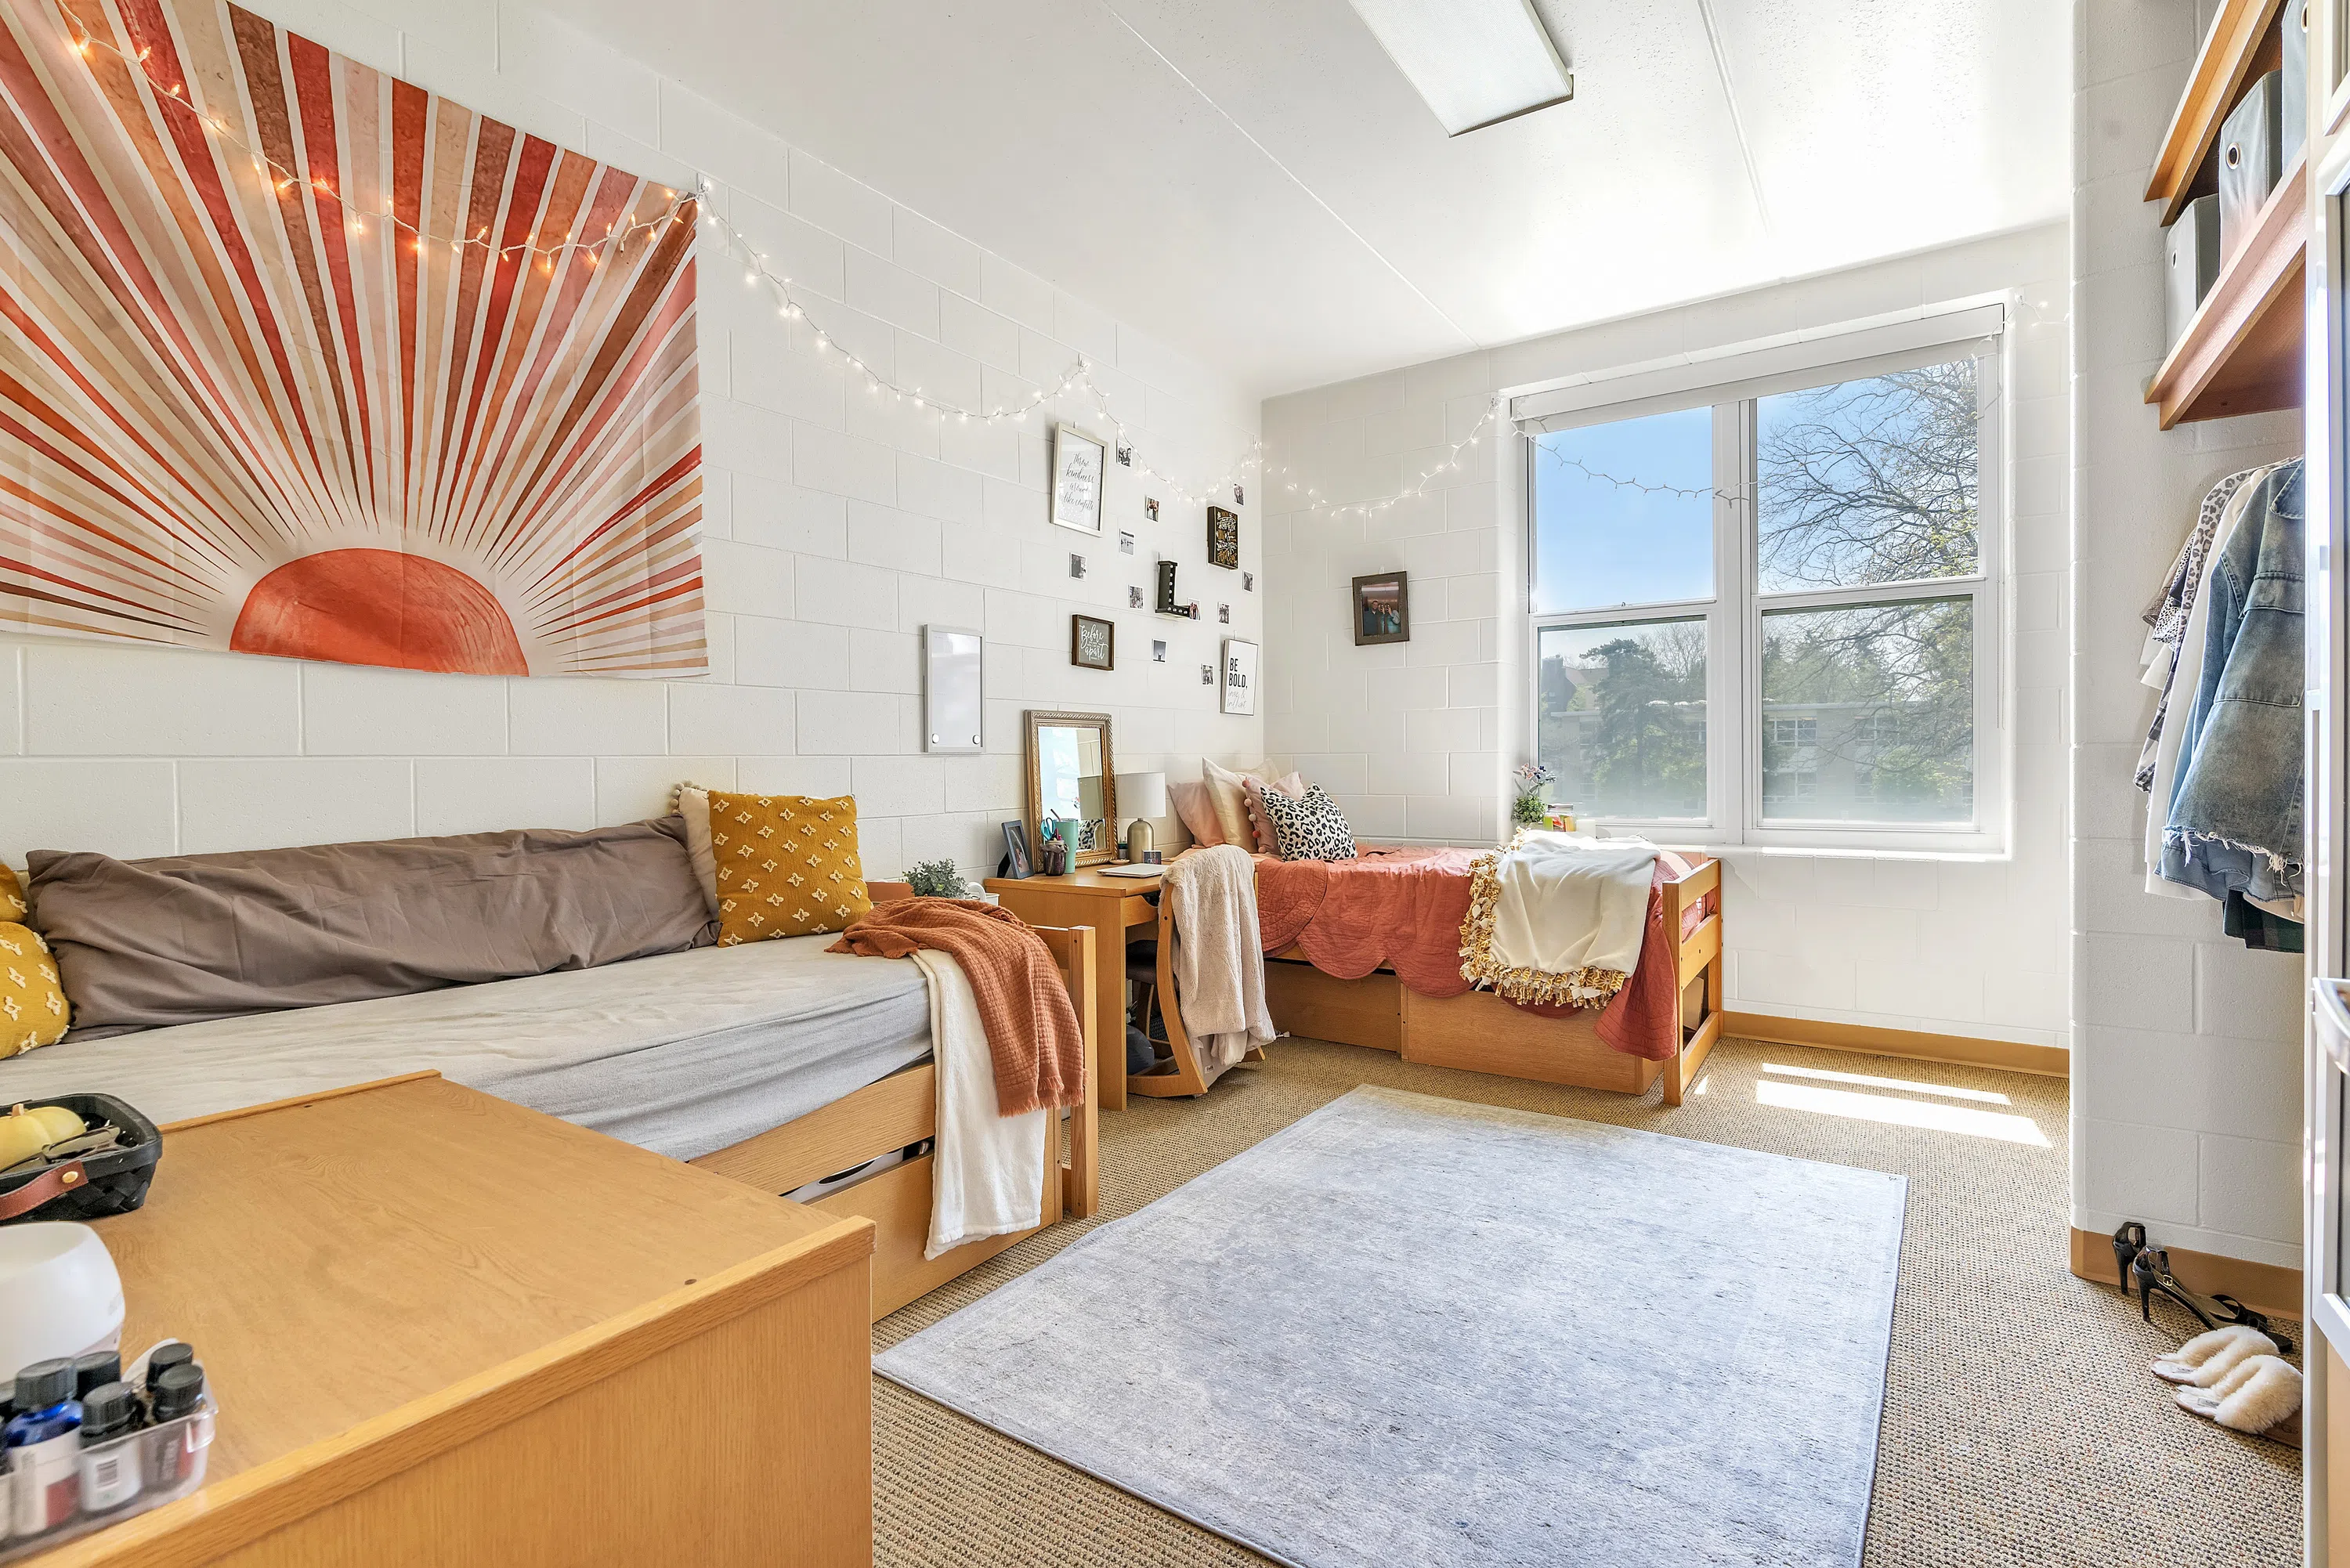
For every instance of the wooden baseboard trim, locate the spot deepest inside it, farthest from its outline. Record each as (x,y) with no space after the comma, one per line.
(1961,1050)
(2263,1286)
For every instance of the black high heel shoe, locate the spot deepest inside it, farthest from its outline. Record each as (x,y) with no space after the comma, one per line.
(2128,1243)
(2152,1269)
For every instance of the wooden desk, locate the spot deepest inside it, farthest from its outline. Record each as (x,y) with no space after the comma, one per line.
(444,1328)
(1112,906)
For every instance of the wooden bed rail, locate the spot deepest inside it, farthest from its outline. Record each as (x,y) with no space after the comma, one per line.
(1073,948)
(1701,955)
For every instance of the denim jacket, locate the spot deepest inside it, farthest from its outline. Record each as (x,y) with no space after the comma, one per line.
(2234,820)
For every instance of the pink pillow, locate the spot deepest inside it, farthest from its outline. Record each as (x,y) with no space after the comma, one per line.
(1259,823)
(1198,813)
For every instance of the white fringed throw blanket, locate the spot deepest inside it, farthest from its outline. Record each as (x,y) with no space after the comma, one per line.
(988,1178)
(1558,919)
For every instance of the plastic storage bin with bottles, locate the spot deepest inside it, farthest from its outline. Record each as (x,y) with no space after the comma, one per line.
(87,1446)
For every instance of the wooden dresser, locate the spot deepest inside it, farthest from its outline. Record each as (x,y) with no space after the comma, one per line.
(443,1328)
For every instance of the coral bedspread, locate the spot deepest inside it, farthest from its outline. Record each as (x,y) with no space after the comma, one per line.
(1403,907)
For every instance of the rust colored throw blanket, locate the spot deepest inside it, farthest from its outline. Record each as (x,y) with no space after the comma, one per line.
(1403,907)
(1032,1030)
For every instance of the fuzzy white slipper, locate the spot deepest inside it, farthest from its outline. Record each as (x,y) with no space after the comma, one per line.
(2257,1395)
(2208,1357)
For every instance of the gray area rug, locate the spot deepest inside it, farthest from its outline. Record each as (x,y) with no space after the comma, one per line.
(1410,1330)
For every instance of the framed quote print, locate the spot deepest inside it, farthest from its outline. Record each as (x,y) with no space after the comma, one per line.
(1079,464)
(1240,676)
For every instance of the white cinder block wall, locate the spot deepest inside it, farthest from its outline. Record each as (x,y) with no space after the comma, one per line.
(2187,1046)
(837,528)
(1416,739)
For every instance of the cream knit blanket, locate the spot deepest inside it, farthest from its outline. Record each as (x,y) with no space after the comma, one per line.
(1219,962)
(1556,919)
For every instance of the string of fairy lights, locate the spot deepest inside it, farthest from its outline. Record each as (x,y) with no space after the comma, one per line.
(1077,379)
(85,43)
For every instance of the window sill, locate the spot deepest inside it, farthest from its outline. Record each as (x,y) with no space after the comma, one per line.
(1839,852)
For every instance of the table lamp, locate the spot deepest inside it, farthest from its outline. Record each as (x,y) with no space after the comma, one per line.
(1144,794)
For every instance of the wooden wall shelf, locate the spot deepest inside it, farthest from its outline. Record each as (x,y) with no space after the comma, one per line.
(2243,42)
(2243,352)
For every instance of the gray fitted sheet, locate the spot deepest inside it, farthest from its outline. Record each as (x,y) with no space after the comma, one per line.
(680,1053)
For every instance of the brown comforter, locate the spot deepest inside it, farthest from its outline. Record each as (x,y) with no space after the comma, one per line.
(1403,907)
(1032,1030)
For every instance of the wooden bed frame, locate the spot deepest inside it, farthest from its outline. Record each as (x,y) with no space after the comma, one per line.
(902,1110)
(1477,1030)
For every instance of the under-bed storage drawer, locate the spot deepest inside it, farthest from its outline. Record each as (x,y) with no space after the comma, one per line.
(1304,1000)
(897,1201)
(878,1119)
(1481,1032)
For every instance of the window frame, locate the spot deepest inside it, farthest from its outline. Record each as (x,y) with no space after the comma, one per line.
(1733,615)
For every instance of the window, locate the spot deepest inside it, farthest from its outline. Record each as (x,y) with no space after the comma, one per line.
(1771,617)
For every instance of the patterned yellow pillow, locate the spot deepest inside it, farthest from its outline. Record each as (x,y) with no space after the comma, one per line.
(32,998)
(12,896)
(786,866)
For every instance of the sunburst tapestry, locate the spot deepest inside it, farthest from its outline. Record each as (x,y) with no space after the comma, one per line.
(298,358)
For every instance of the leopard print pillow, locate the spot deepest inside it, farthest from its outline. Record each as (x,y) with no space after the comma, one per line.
(1310,827)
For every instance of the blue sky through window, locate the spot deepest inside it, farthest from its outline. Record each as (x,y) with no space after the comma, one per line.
(1597,544)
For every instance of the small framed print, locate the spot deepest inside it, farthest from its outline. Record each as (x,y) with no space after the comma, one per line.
(1240,676)
(1125,455)
(1248,582)
(1207,675)
(1382,608)
(1225,614)
(1077,566)
(1150,508)
(1015,851)
(1133,597)
(1124,543)
(1078,463)
(1157,651)
(1093,643)
(1223,538)
(1238,497)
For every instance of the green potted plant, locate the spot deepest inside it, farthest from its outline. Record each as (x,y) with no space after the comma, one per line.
(936,879)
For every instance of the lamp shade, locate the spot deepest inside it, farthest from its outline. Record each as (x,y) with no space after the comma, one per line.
(1142,795)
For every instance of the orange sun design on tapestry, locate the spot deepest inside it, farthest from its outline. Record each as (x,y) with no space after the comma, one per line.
(299,358)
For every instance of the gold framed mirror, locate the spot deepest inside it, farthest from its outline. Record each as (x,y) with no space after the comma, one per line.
(1073,777)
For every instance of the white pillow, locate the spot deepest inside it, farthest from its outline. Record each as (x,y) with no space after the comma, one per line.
(1230,797)
(692,801)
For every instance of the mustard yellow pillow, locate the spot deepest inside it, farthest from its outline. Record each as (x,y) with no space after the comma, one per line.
(12,896)
(786,866)
(32,998)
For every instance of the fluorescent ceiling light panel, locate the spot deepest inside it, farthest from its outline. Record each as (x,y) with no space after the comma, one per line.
(1476,62)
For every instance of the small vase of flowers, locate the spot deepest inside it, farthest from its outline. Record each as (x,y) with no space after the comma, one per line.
(1530,809)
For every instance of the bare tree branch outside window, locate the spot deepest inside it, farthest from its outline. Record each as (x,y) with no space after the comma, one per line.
(1868,482)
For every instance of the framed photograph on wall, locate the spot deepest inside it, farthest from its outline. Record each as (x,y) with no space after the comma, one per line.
(1223,538)
(1079,463)
(1240,676)
(1093,643)
(1382,608)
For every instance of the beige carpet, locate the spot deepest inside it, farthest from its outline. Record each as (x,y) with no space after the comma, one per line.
(2021,1425)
